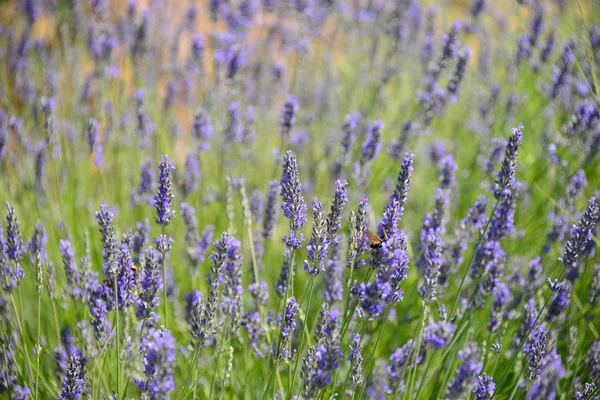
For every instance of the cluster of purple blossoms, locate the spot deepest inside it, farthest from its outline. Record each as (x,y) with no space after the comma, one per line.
(75,385)
(470,366)
(322,359)
(580,236)
(150,281)
(394,209)
(11,251)
(506,176)
(294,207)
(318,243)
(280,349)
(484,387)
(158,348)
(164,196)
(392,269)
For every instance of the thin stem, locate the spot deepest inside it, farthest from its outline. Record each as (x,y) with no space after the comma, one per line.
(369,369)
(192,368)
(39,347)
(413,371)
(117,337)
(164,275)
(305,329)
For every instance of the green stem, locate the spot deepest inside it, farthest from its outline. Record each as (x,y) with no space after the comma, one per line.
(223,338)
(39,346)
(413,371)
(370,367)
(117,337)
(193,366)
(305,329)
(164,276)
(281,302)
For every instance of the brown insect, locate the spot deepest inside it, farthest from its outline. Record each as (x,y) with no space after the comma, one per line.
(375,241)
(134,268)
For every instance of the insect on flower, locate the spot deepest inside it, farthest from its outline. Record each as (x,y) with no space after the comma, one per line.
(374,240)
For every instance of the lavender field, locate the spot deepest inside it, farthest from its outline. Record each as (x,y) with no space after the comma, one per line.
(308,199)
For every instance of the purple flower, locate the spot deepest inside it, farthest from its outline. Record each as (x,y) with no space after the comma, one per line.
(15,248)
(194,312)
(144,126)
(333,273)
(143,192)
(551,371)
(470,366)
(437,334)
(323,358)
(356,359)
(150,281)
(535,350)
(74,280)
(394,209)
(110,251)
(318,243)
(191,176)
(372,143)
(288,117)
(356,240)
(459,72)
(98,309)
(284,275)
(502,296)
(233,132)
(432,257)
(506,176)
(22,392)
(334,218)
(288,324)
(75,385)
(158,348)
(484,387)
(294,207)
(593,358)
(218,258)
(233,305)
(587,391)
(164,196)
(202,128)
(561,70)
(580,236)
(450,44)
(37,244)
(270,218)
(401,359)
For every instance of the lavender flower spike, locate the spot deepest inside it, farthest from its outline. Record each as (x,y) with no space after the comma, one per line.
(294,207)
(164,196)
(75,385)
(319,242)
(484,387)
(340,198)
(270,218)
(432,266)
(159,359)
(470,366)
(287,328)
(14,239)
(110,251)
(506,175)
(580,236)
(288,117)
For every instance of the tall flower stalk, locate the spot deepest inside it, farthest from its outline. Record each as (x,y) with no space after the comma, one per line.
(164,215)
